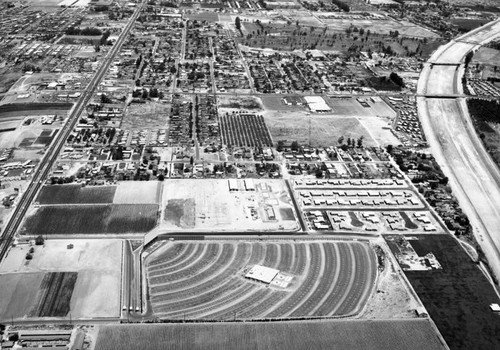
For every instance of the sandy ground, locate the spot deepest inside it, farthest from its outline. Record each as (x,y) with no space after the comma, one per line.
(390,299)
(138,192)
(208,205)
(379,131)
(98,263)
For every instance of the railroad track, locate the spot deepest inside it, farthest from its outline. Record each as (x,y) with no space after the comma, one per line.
(50,157)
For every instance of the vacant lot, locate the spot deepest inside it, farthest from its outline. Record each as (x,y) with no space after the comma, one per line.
(96,292)
(54,295)
(351,107)
(203,16)
(486,55)
(208,205)
(354,334)
(150,115)
(324,130)
(138,192)
(239,102)
(99,219)
(458,296)
(76,194)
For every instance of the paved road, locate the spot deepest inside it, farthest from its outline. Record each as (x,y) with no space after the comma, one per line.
(47,162)
(474,178)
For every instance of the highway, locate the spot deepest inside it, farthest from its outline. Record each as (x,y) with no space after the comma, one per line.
(45,166)
(474,178)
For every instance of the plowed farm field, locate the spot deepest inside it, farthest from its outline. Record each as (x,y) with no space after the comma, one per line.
(54,296)
(417,334)
(76,194)
(244,130)
(96,219)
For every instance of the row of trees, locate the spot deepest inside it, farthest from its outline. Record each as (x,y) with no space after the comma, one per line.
(85,31)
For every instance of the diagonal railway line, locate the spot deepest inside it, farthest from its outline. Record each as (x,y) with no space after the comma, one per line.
(51,155)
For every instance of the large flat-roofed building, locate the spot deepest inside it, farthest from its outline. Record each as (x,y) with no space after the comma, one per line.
(262,273)
(317,104)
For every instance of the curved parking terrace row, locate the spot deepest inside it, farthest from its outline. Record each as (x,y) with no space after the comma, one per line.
(206,280)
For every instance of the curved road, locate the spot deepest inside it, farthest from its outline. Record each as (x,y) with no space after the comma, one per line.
(474,177)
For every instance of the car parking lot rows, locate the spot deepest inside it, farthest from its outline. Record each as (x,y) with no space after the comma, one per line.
(328,278)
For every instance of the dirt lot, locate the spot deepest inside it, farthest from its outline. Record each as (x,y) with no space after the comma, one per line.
(391,299)
(325,129)
(97,289)
(351,107)
(138,192)
(486,55)
(208,205)
(149,115)
(230,103)
(7,80)
(203,16)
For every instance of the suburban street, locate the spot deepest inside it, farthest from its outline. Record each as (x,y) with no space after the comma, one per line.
(474,177)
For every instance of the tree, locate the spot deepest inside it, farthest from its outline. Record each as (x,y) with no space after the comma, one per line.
(154,93)
(319,173)
(389,149)
(341,140)
(280,146)
(295,146)
(360,141)
(39,240)
(105,99)
(468,58)
(396,79)
(145,94)
(237,23)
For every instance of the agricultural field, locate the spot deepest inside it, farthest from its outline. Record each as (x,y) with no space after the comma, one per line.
(96,219)
(417,334)
(322,279)
(458,296)
(209,206)
(17,293)
(76,194)
(54,296)
(95,279)
(247,130)
(26,109)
